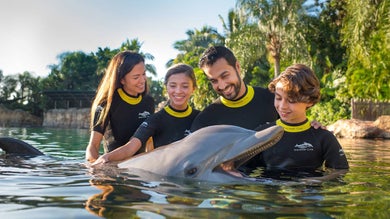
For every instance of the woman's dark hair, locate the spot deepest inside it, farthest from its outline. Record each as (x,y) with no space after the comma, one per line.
(183,69)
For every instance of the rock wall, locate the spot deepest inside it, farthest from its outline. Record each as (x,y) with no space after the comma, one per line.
(54,118)
(67,118)
(18,118)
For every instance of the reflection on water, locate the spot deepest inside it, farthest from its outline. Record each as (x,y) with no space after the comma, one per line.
(61,186)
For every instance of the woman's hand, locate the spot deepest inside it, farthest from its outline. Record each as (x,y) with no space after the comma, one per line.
(101,160)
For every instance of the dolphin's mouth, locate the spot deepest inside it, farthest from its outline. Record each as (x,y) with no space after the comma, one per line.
(230,166)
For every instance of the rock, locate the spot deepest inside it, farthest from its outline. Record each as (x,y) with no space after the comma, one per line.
(18,118)
(54,118)
(383,122)
(67,118)
(355,128)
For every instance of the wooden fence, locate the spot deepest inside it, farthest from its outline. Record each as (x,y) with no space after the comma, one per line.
(369,110)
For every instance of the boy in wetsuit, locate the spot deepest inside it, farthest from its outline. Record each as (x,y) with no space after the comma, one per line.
(302,147)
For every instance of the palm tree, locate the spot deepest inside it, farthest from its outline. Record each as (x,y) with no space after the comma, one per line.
(103,57)
(246,41)
(197,41)
(279,22)
(25,81)
(190,52)
(135,46)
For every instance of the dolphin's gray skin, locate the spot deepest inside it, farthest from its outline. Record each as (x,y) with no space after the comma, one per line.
(18,147)
(201,154)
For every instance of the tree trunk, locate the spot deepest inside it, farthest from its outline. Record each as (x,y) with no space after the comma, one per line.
(277,66)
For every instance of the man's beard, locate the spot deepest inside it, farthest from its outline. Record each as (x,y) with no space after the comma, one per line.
(236,89)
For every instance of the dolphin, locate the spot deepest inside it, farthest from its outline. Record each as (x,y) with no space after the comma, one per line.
(212,153)
(18,147)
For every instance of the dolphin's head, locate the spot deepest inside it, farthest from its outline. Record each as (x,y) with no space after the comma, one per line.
(212,153)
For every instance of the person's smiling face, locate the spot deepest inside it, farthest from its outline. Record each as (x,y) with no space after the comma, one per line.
(289,111)
(134,82)
(179,89)
(225,79)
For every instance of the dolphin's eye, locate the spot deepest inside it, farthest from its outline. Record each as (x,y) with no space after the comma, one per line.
(191,171)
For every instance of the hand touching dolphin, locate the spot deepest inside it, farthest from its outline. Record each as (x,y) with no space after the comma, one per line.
(212,153)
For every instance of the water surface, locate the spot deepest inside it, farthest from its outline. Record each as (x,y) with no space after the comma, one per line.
(59,185)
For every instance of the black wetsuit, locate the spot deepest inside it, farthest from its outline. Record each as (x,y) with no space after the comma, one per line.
(302,148)
(166,126)
(125,116)
(256,107)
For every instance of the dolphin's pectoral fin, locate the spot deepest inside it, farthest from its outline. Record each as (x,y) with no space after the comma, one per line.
(18,147)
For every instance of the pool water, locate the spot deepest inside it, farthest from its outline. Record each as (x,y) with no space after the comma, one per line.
(60,185)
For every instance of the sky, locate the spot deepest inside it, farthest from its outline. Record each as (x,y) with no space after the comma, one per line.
(34,32)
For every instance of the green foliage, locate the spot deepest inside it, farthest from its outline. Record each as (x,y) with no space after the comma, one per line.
(135,46)
(103,57)
(190,51)
(259,75)
(279,26)
(156,90)
(376,75)
(322,33)
(329,112)
(347,46)
(245,39)
(335,103)
(205,93)
(75,71)
(21,91)
(366,32)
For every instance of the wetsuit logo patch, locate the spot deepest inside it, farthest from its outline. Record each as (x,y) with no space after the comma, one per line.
(144,124)
(303,147)
(187,132)
(341,152)
(143,115)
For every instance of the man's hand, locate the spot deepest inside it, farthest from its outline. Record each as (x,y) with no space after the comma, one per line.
(315,124)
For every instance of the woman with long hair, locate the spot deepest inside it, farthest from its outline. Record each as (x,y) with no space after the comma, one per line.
(121,104)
